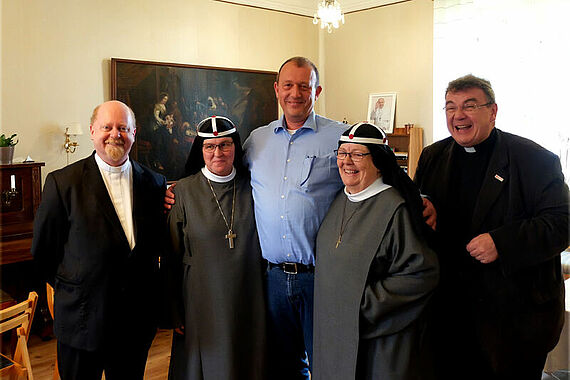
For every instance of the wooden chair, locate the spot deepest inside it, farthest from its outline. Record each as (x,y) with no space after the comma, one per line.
(50,296)
(18,317)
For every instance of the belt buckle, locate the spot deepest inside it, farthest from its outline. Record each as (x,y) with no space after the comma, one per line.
(287,268)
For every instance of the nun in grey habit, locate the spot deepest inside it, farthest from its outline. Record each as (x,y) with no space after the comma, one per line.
(215,267)
(374,271)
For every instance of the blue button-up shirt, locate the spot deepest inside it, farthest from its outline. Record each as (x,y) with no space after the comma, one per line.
(294,180)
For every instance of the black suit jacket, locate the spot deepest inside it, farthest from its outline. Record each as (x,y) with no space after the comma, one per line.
(523,204)
(102,288)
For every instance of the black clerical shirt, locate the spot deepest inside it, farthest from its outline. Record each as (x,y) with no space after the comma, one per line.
(469,170)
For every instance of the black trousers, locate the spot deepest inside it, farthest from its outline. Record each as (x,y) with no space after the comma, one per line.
(119,360)
(472,346)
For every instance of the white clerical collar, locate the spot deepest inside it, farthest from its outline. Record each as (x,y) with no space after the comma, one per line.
(375,188)
(216,178)
(112,169)
(470,149)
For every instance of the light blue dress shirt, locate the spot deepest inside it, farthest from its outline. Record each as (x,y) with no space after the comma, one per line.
(294,180)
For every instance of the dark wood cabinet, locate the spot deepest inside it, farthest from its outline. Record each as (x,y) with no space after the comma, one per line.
(21,190)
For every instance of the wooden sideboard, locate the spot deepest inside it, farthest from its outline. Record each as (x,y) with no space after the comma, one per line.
(21,191)
(18,273)
(407,148)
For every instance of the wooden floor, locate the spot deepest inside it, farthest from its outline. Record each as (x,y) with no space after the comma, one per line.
(42,356)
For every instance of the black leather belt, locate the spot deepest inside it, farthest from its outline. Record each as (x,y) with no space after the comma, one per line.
(293,268)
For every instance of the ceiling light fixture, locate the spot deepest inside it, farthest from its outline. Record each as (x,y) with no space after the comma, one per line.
(330,14)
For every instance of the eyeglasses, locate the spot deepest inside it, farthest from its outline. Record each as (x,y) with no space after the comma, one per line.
(226,146)
(468,107)
(355,156)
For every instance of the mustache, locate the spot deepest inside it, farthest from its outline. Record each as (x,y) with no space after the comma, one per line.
(115,141)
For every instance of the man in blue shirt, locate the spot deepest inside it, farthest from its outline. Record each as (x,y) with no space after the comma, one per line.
(294,177)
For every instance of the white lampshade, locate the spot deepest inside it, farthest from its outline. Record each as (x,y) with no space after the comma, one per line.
(73,129)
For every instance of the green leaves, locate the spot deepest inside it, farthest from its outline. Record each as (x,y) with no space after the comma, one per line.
(8,141)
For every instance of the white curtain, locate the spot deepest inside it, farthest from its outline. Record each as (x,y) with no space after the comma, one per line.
(523,48)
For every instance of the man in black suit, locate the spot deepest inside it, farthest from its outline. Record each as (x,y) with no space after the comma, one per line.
(97,238)
(502,221)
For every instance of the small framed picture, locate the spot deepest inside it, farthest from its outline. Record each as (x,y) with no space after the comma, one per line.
(381,110)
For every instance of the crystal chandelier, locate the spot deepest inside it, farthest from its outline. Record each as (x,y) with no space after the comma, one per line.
(330,14)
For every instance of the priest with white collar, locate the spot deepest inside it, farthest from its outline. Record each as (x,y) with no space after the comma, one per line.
(502,221)
(97,240)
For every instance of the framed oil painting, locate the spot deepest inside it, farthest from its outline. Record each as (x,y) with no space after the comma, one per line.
(170,99)
(381,110)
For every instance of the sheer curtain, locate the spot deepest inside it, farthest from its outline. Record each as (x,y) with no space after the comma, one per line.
(523,48)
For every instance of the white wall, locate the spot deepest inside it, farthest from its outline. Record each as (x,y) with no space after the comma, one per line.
(56,56)
(56,53)
(522,47)
(1,81)
(387,49)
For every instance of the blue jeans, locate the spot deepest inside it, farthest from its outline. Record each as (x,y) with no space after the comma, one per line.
(290,313)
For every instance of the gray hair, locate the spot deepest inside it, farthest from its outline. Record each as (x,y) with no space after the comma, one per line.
(471,81)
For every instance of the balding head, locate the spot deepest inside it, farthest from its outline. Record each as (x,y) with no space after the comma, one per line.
(113,131)
(129,110)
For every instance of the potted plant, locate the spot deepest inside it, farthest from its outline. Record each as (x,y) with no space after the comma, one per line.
(7,149)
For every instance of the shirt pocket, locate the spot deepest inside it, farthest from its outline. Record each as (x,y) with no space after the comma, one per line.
(318,170)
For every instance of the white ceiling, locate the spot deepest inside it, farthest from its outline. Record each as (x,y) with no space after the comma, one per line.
(308,7)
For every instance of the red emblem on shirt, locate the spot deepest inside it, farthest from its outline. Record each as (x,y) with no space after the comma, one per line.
(351,136)
(215,133)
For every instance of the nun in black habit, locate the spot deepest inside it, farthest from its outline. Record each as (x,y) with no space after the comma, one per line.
(216,298)
(374,271)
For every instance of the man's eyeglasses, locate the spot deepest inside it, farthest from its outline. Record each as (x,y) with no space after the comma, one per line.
(355,156)
(468,107)
(224,147)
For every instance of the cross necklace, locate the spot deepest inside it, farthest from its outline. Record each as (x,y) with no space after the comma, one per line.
(230,235)
(342,223)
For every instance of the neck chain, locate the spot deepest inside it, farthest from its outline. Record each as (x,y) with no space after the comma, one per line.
(342,224)
(230,235)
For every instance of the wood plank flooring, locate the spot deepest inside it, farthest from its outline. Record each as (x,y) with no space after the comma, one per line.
(42,356)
